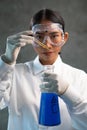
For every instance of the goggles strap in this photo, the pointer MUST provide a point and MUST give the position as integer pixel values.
(47, 27)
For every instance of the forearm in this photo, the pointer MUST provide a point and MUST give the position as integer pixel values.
(5, 67)
(6, 72)
(77, 107)
(6, 60)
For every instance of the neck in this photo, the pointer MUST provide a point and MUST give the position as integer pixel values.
(48, 62)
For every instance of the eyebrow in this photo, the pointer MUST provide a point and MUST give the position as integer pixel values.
(45, 32)
(54, 32)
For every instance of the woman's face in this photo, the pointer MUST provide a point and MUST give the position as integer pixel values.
(48, 56)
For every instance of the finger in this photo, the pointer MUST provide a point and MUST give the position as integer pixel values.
(26, 41)
(49, 88)
(21, 39)
(50, 74)
(45, 87)
(20, 42)
(18, 35)
(27, 32)
(26, 37)
(45, 75)
(49, 79)
(53, 76)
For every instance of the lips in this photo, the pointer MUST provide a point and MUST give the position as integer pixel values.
(48, 52)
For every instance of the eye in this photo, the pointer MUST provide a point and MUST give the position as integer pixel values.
(54, 36)
(39, 37)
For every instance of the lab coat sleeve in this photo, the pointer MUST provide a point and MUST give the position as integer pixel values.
(77, 107)
(5, 83)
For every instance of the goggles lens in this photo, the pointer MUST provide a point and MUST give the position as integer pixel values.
(50, 32)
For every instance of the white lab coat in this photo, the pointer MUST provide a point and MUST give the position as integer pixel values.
(19, 90)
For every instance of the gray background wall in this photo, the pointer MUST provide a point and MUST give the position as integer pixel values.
(15, 16)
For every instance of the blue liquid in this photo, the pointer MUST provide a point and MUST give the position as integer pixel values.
(49, 114)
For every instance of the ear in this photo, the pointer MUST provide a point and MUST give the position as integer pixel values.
(66, 35)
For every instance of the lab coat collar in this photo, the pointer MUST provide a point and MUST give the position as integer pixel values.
(38, 67)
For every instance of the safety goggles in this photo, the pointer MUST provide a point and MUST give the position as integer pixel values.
(48, 32)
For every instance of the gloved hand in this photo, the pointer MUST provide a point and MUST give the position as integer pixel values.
(14, 44)
(53, 83)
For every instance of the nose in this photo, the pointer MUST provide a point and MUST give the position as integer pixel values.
(47, 41)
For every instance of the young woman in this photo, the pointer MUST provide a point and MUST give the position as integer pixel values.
(20, 87)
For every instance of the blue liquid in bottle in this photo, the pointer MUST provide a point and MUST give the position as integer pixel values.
(49, 114)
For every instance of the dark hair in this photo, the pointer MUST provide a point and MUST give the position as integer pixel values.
(47, 14)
